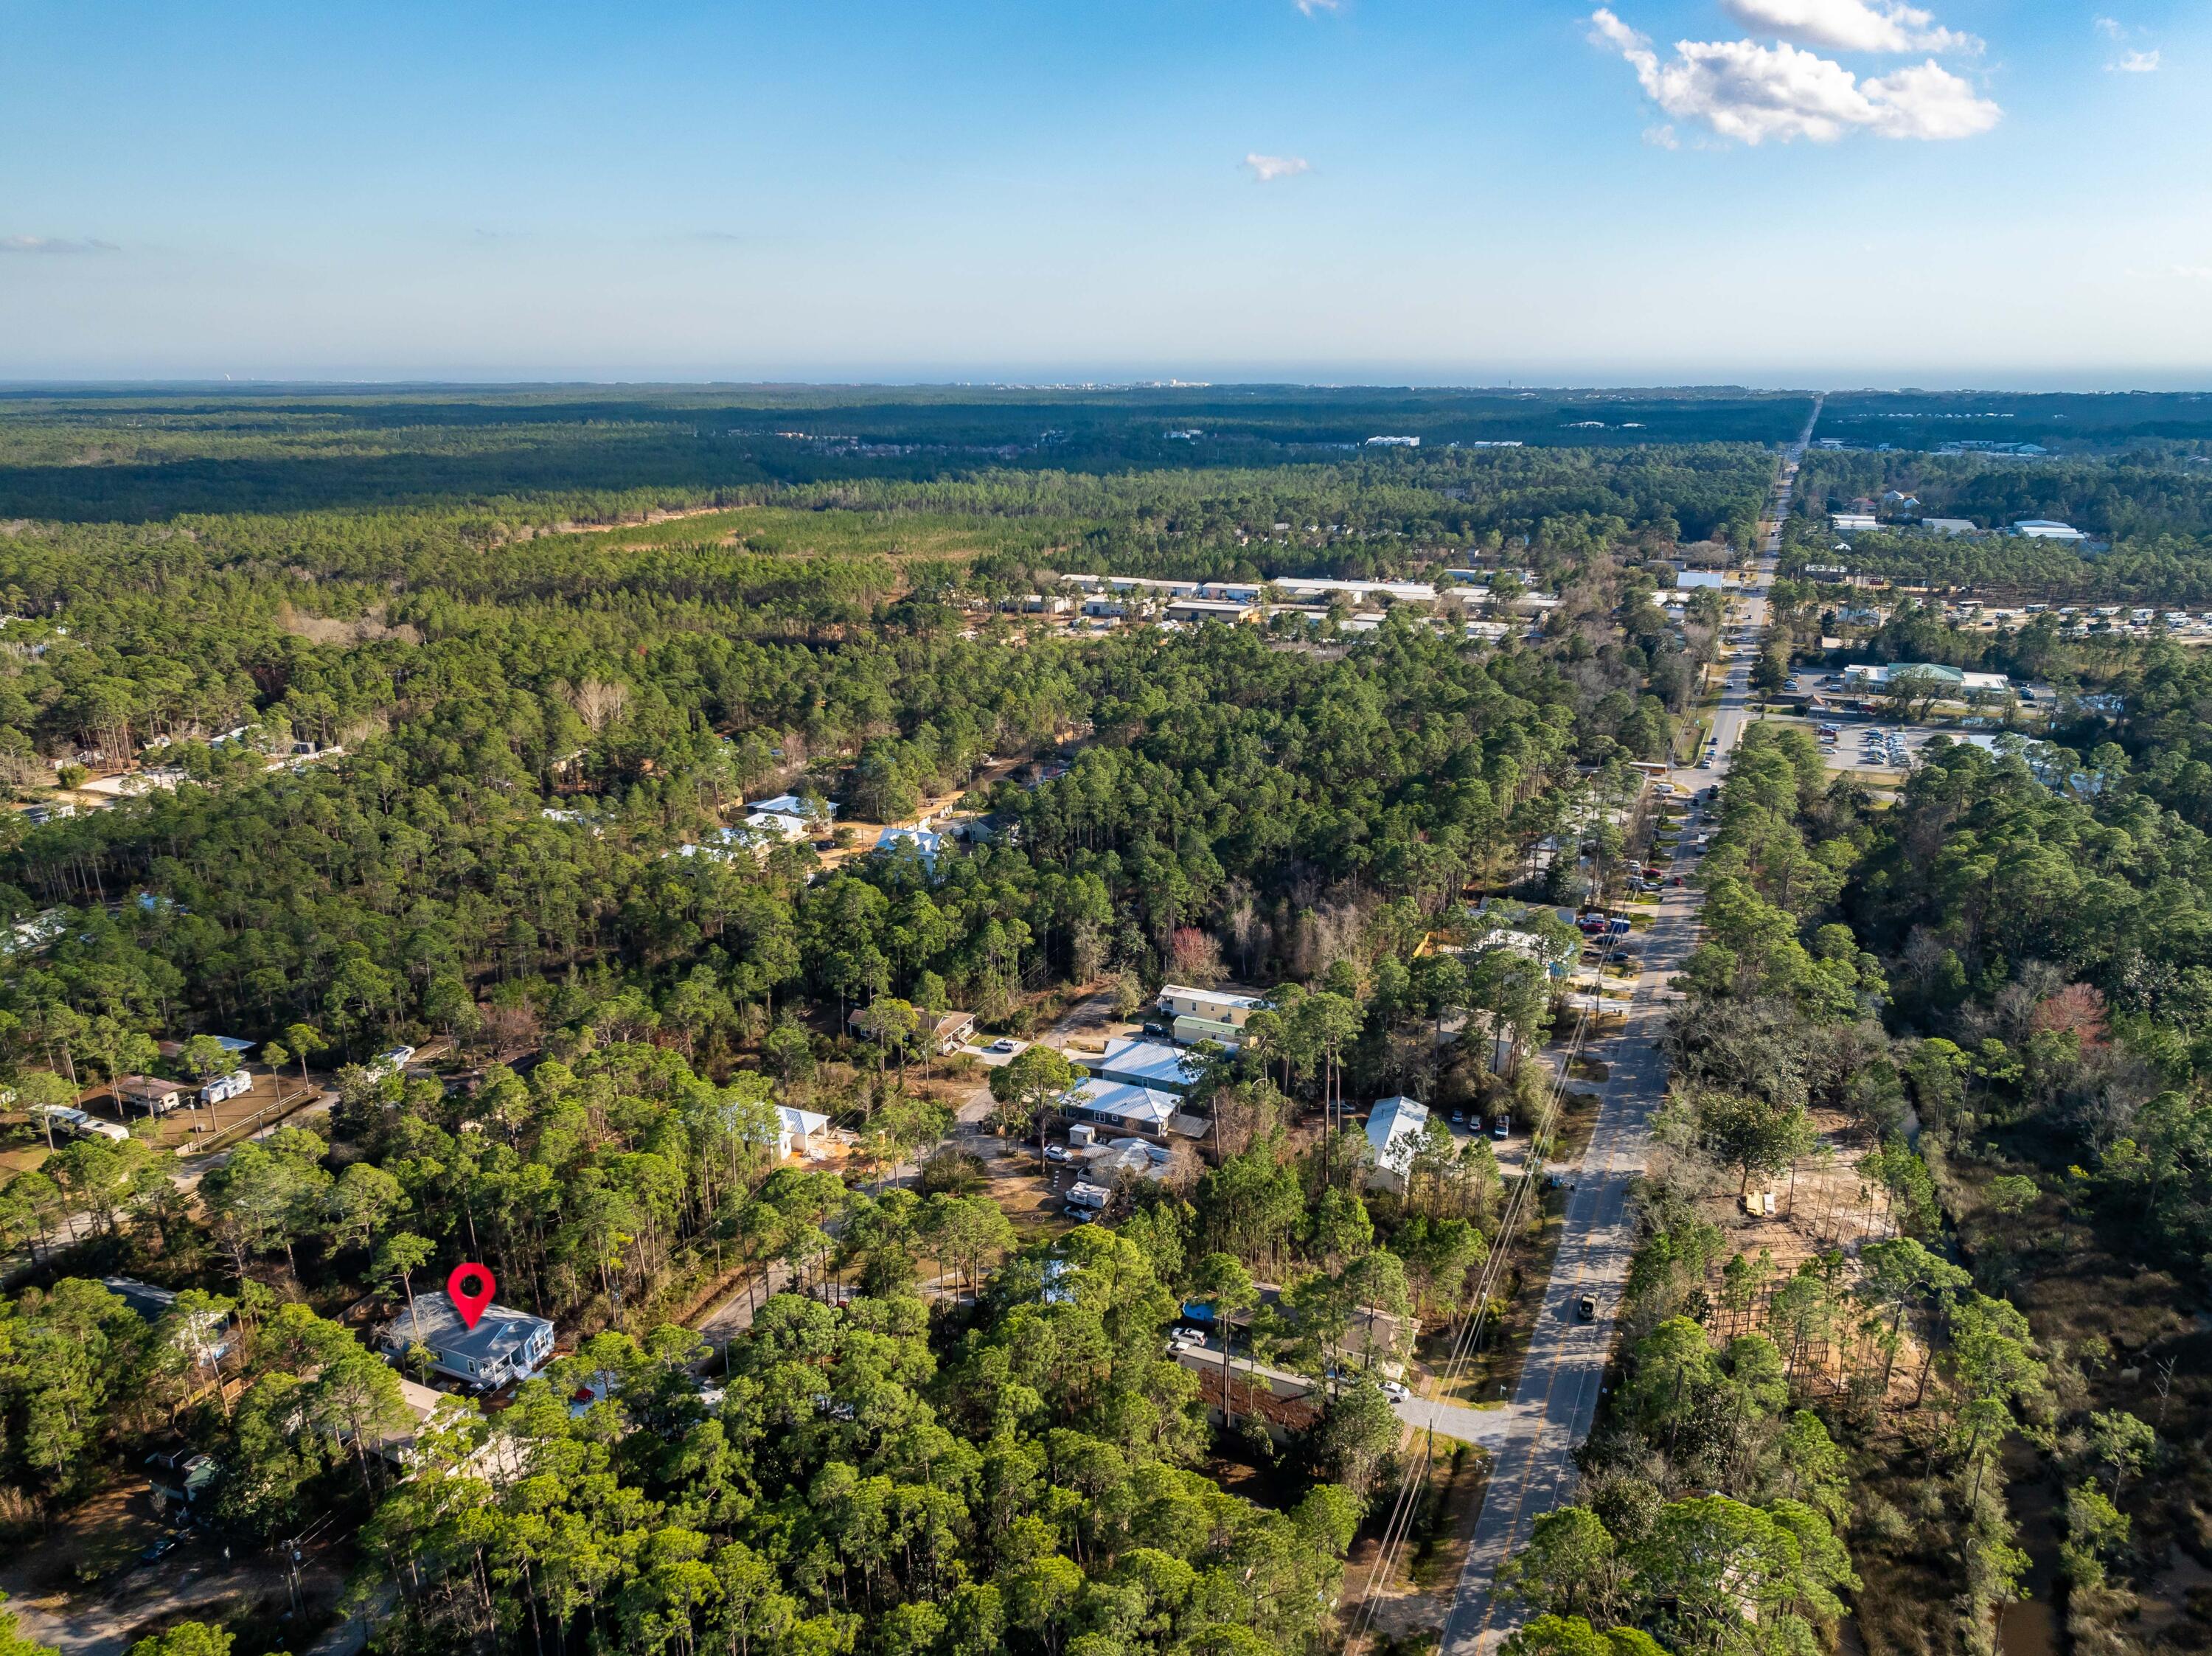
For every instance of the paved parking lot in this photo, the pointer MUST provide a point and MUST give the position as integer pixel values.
(1882, 746)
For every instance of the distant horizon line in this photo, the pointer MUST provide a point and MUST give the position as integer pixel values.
(2055, 384)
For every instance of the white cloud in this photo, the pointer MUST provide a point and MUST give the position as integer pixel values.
(2111, 27)
(1309, 7)
(1661, 137)
(1849, 25)
(1752, 92)
(59, 247)
(1268, 168)
(2137, 63)
(1926, 101)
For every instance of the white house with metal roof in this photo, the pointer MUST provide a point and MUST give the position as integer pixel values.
(795, 804)
(926, 844)
(1395, 1128)
(796, 1131)
(777, 825)
(505, 1345)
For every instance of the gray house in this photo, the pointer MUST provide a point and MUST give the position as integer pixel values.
(209, 1331)
(506, 1346)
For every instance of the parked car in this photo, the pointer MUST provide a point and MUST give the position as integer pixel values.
(1001, 1046)
(1396, 1391)
(1055, 1152)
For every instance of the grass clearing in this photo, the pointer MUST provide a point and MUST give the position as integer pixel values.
(1577, 1122)
(1491, 1372)
(1410, 1607)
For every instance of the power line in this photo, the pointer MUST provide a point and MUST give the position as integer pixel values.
(1476, 1317)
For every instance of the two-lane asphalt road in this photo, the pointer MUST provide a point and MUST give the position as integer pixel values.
(1556, 1405)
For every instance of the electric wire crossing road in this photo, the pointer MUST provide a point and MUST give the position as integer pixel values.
(1556, 1405)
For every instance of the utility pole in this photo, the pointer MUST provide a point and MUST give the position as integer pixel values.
(293, 1550)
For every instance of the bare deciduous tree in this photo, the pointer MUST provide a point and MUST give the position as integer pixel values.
(599, 704)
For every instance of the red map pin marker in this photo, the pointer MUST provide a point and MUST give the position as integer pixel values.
(470, 1287)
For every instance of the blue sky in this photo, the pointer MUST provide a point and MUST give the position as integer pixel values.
(1376, 190)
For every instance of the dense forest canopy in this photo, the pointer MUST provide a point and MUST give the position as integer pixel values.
(456, 699)
(2124, 498)
(2150, 516)
(2061, 421)
(155, 455)
(455, 715)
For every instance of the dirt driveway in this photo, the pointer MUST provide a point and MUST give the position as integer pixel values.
(127, 1600)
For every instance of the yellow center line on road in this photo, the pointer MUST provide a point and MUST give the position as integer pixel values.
(1598, 1327)
(1648, 1073)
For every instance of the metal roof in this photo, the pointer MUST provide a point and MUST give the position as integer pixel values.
(500, 1333)
(1391, 1127)
(1145, 1064)
(148, 1301)
(1139, 1105)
